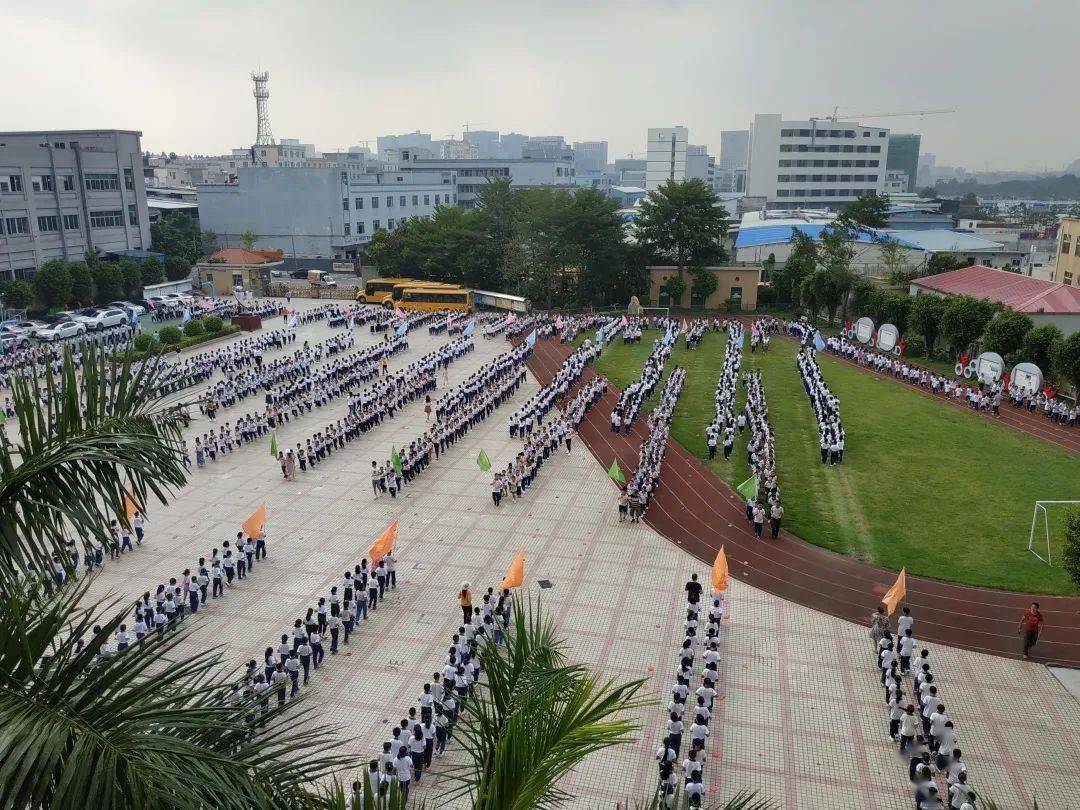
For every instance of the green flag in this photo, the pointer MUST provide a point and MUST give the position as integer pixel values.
(273, 443)
(748, 488)
(395, 460)
(615, 474)
(483, 462)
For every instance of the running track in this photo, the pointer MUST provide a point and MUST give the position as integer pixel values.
(695, 509)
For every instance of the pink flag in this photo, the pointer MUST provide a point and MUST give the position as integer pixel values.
(682, 329)
(398, 312)
(623, 320)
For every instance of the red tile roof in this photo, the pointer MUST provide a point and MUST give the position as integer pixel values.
(244, 256)
(1018, 292)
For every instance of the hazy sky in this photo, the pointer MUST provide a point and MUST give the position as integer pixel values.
(345, 72)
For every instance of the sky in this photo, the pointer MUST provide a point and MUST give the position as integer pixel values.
(346, 72)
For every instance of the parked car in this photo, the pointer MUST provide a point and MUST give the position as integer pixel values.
(129, 308)
(60, 329)
(99, 318)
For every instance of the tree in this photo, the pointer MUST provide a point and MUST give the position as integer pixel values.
(1005, 333)
(80, 735)
(871, 210)
(927, 311)
(82, 283)
(15, 293)
(108, 282)
(944, 262)
(1040, 347)
(1067, 360)
(964, 320)
(248, 239)
(176, 268)
(683, 223)
(151, 272)
(52, 284)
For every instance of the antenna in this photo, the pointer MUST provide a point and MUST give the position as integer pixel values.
(263, 137)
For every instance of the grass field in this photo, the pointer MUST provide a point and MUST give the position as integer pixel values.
(945, 493)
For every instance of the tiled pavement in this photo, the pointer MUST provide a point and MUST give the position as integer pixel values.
(800, 717)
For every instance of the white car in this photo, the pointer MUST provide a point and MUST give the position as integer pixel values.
(60, 330)
(102, 318)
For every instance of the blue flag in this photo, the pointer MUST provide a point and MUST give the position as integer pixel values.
(403, 327)
(819, 344)
(530, 341)
(470, 327)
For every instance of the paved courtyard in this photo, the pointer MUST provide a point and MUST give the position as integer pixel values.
(800, 714)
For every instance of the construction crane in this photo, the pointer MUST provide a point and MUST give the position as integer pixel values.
(855, 116)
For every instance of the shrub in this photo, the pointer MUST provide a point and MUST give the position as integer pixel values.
(194, 328)
(1071, 551)
(170, 336)
(144, 343)
(213, 323)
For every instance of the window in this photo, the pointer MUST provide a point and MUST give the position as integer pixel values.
(415, 199)
(133, 216)
(17, 226)
(71, 222)
(12, 183)
(106, 219)
(348, 230)
(375, 203)
(401, 201)
(101, 182)
(67, 182)
(427, 199)
(389, 201)
(48, 224)
(359, 201)
(345, 203)
(42, 182)
(129, 180)
(359, 228)
(375, 225)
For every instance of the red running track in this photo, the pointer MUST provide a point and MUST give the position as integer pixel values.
(695, 509)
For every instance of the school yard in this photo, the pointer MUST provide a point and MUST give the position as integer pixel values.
(945, 493)
(800, 714)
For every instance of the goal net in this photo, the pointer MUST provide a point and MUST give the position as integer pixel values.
(1047, 528)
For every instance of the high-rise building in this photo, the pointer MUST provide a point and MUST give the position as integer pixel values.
(64, 193)
(665, 155)
(590, 156)
(904, 156)
(816, 163)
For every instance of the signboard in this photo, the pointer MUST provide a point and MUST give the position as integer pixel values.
(887, 337)
(864, 330)
(1027, 376)
(989, 367)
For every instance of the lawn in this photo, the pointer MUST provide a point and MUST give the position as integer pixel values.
(929, 487)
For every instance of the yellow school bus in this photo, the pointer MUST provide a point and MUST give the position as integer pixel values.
(431, 299)
(380, 291)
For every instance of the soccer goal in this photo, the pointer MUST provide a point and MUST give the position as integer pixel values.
(1041, 514)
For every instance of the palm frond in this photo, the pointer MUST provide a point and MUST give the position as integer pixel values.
(144, 728)
(86, 440)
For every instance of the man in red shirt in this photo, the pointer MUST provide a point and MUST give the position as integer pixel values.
(1030, 625)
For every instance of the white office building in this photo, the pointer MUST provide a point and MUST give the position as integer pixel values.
(314, 212)
(63, 193)
(818, 163)
(665, 157)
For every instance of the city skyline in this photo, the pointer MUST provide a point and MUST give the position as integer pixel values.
(191, 91)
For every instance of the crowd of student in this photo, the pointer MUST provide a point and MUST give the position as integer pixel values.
(722, 427)
(632, 397)
(826, 407)
(635, 499)
(917, 716)
(370, 407)
(702, 634)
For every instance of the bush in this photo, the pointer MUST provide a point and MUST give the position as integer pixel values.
(194, 328)
(213, 323)
(170, 336)
(1071, 551)
(916, 346)
(144, 343)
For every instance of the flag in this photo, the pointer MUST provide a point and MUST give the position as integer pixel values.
(186, 316)
(273, 443)
(623, 321)
(515, 575)
(819, 344)
(403, 328)
(530, 340)
(720, 571)
(748, 488)
(683, 328)
(383, 544)
(615, 474)
(398, 312)
(253, 526)
(895, 595)
(483, 462)
(395, 460)
(470, 327)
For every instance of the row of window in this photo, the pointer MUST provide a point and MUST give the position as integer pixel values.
(830, 164)
(820, 192)
(825, 133)
(50, 223)
(358, 202)
(834, 147)
(826, 178)
(95, 181)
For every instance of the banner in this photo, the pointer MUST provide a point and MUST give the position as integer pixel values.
(720, 571)
(253, 526)
(383, 545)
(515, 575)
(896, 593)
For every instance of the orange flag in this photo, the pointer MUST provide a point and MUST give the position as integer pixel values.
(253, 526)
(384, 544)
(720, 571)
(515, 575)
(130, 509)
(895, 595)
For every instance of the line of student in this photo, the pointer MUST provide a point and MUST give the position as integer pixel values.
(701, 633)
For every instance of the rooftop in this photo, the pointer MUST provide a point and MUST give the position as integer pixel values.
(1019, 293)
